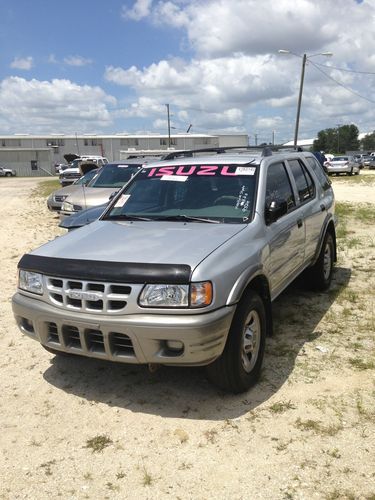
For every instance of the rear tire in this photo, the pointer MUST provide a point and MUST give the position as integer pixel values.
(239, 366)
(320, 274)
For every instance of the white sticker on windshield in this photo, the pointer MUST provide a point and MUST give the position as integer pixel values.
(122, 200)
(178, 178)
(245, 170)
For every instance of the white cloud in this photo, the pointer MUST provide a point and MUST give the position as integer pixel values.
(42, 106)
(24, 63)
(77, 61)
(140, 9)
(236, 65)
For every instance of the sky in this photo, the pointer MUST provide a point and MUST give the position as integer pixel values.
(108, 67)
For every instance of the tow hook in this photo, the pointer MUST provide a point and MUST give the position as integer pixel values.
(153, 367)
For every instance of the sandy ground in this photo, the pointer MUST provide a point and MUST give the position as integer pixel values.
(75, 428)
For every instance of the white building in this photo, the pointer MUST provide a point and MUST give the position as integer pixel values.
(37, 154)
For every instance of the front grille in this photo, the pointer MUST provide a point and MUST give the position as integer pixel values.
(52, 333)
(59, 199)
(121, 344)
(88, 296)
(90, 340)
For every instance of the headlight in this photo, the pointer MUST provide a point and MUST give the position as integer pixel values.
(195, 295)
(31, 282)
(67, 207)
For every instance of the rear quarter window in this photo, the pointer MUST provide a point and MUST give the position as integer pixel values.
(319, 172)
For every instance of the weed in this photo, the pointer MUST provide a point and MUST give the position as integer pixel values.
(147, 478)
(317, 427)
(281, 406)
(87, 476)
(47, 467)
(334, 453)
(112, 487)
(362, 365)
(98, 443)
(120, 475)
(211, 435)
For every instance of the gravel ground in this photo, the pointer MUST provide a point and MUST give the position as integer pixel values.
(76, 428)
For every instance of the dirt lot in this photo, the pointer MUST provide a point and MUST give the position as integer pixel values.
(75, 428)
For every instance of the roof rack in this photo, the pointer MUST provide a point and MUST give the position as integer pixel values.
(265, 150)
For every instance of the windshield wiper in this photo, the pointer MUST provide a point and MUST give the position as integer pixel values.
(126, 217)
(187, 218)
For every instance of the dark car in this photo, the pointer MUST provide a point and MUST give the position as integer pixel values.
(82, 218)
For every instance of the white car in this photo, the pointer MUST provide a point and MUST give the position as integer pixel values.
(342, 165)
(7, 172)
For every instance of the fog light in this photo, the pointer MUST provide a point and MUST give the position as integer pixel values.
(175, 345)
(26, 325)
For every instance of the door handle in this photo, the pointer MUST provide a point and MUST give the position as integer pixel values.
(299, 223)
(322, 207)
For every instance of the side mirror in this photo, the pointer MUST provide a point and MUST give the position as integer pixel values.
(275, 210)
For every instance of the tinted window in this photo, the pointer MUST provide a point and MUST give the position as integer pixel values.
(304, 182)
(278, 186)
(319, 172)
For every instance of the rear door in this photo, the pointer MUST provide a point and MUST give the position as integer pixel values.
(312, 210)
(286, 236)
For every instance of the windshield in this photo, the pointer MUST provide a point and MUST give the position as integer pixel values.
(196, 193)
(85, 179)
(115, 175)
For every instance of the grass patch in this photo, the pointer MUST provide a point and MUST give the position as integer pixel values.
(281, 406)
(45, 188)
(362, 365)
(317, 427)
(98, 443)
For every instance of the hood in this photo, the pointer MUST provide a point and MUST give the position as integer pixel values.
(141, 242)
(88, 197)
(69, 157)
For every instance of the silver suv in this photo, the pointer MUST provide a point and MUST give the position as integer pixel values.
(183, 265)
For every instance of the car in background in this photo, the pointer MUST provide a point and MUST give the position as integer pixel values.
(342, 165)
(80, 166)
(371, 163)
(111, 178)
(56, 199)
(7, 172)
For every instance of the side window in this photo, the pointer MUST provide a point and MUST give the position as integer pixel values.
(304, 182)
(278, 186)
(319, 172)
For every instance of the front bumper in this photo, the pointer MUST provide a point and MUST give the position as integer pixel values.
(186, 340)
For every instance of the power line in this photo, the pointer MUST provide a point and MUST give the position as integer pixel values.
(341, 84)
(346, 70)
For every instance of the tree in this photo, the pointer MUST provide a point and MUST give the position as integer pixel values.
(368, 142)
(337, 140)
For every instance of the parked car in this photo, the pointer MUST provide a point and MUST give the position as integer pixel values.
(342, 165)
(7, 172)
(79, 166)
(111, 178)
(371, 163)
(56, 199)
(183, 266)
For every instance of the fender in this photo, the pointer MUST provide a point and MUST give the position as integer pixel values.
(328, 223)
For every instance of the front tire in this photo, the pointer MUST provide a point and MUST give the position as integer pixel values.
(239, 366)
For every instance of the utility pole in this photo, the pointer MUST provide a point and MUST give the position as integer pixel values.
(304, 58)
(169, 127)
(273, 137)
(256, 139)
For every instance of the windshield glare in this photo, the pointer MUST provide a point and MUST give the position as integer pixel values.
(115, 175)
(221, 193)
